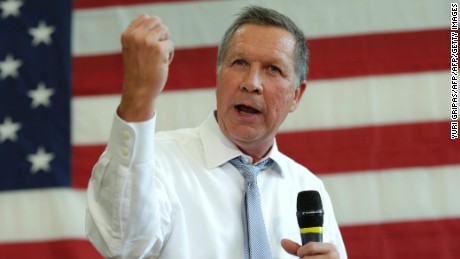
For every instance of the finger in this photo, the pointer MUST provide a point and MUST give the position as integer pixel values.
(317, 248)
(169, 47)
(161, 32)
(290, 246)
(323, 248)
(149, 22)
(171, 56)
(151, 29)
(168, 50)
(142, 24)
(137, 28)
(138, 20)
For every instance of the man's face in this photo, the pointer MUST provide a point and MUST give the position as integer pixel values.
(256, 86)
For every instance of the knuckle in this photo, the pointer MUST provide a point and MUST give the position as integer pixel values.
(125, 38)
(152, 22)
(137, 37)
(155, 18)
(125, 35)
(162, 26)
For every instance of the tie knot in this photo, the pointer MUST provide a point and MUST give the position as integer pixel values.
(249, 171)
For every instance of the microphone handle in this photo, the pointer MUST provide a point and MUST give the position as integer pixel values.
(312, 234)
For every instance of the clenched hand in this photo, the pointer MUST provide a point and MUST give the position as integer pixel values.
(147, 53)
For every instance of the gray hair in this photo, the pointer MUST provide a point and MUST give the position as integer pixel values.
(263, 16)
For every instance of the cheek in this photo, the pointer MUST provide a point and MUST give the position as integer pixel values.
(281, 103)
(226, 86)
(219, 99)
(283, 100)
(222, 94)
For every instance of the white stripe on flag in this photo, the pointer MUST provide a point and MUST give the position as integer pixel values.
(203, 23)
(326, 104)
(42, 214)
(395, 195)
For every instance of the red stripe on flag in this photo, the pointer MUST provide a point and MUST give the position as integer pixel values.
(340, 150)
(83, 4)
(337, 57)
(191, 68)
(379, 54)
(420, 239)
(83, 160)
(372, 148)
(69, 249)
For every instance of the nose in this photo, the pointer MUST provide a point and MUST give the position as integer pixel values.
(252, 81)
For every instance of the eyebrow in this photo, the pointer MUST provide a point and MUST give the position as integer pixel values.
(277, 61)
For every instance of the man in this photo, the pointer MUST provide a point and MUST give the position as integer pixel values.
(178, 194)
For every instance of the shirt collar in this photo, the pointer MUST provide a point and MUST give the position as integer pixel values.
(218, 150)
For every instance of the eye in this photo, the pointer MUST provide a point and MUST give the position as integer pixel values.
(239, 62)
(273, 68)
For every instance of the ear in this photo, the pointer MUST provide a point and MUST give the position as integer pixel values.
(298, 95)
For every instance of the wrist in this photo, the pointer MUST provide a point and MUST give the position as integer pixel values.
(135, 111)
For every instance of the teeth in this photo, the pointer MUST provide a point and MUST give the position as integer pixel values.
(246, 109)
(243, 112)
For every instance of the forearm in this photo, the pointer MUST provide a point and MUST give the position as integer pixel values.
(123, 202)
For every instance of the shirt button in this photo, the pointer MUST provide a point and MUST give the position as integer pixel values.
(125, 151)
(126, 135)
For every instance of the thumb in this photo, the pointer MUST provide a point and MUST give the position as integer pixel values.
(290, 246)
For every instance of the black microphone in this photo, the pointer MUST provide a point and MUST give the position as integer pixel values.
(310, 216)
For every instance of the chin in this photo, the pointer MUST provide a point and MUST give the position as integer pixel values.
(245, 136)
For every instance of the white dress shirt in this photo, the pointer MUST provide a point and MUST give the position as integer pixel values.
(175, 195)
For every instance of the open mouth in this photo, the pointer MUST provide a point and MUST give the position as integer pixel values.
(246, 109)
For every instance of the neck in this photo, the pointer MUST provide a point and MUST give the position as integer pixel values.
(255, 153)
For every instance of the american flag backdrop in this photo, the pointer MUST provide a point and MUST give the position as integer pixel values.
(374, 123)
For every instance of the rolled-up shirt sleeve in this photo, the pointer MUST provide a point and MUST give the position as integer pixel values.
(128, 212)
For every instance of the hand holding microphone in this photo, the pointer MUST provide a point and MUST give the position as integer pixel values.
(310, 219)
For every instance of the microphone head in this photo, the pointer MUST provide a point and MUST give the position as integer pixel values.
(309, 209)
(309, 201)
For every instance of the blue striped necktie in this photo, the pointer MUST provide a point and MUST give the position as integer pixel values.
(256, 242)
